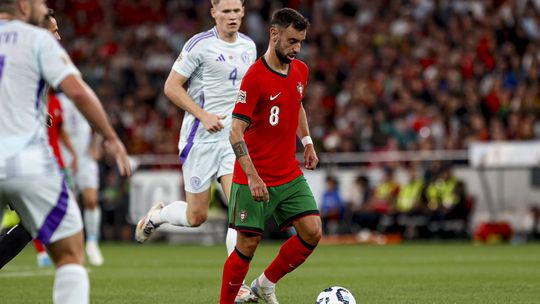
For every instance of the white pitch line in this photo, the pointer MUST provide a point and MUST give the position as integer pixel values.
(22, 274)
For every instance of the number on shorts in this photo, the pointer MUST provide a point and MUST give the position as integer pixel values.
(274, 115)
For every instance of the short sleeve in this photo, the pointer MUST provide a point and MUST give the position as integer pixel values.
(247, 98)
(54, 61)
(188, 60)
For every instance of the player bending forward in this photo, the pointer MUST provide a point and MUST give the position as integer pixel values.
(267, 180)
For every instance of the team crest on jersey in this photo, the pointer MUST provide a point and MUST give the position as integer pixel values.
(300, 88)
(245, 57)
(243, 215)
(195, 182)
(241, 98)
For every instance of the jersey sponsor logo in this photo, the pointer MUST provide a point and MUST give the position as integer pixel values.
(241, 98)
(274, 96)
(300, 88)
(243, 215)
(195, 182)
(245, 58)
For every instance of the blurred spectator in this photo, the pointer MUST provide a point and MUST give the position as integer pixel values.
(332, 207)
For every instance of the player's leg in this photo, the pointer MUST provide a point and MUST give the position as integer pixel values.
(199, 168)
(297, 207)
(248, 218)
(244, 294)
(71, 283)
(12, 243)
(49, 213)
(87, 180)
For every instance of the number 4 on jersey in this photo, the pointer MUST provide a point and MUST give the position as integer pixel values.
(232, 76)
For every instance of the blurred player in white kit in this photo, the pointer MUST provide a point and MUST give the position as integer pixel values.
(30, 178)
(86, 178)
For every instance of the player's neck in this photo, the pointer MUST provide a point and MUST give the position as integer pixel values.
(6, 17)
(275, 64)
(229, 38)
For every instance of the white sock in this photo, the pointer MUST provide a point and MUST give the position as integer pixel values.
(264, 281)
(71, 285)
(92, 221)
(174, 213)
(230, 240)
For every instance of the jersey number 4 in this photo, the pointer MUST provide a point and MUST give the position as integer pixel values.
(232, 76)
(2, 60)
(274, 116)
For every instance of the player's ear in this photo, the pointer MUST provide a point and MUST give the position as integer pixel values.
(274, 34)
(213, 12)
(23, 7)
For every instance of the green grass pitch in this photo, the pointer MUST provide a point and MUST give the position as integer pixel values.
(410, 273)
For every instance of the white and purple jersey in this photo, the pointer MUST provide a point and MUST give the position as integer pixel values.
(30, 57)
(215, 69)
(30, 178)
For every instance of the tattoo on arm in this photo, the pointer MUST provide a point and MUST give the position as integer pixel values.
(240, 149)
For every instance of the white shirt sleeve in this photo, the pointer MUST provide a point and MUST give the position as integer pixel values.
(187, 62)
(54, 61)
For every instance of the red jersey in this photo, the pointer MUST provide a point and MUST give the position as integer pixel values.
(270, 102)
(55, 111)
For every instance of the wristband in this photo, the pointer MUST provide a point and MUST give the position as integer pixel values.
(307, 141)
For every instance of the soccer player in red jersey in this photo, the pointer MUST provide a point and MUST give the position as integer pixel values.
(267, 180)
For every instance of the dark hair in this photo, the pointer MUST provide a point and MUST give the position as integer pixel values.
(286, 17)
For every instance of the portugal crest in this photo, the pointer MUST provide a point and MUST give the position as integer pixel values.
(300, 88)
(243, 215)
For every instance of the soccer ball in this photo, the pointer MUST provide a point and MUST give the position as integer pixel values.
(335, 295)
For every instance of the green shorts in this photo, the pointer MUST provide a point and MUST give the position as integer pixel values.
(287, 203)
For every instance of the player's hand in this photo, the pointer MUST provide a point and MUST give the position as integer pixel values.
(259, 192)
(310, 158)
(212, 123)
(116, 149)
(73, 165)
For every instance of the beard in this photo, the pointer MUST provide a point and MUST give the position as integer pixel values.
(282, 57)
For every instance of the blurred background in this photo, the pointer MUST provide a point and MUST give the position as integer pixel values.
(424, 113)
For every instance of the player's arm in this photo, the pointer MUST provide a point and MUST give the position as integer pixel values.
(310, 156)
(88, 103)
(64, 137)
(255, 183)
(174, 90)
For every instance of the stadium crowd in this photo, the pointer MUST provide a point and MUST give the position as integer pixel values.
(385, 75)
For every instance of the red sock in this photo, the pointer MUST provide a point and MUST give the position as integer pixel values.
(234, 272)
(291, 255)
(39, 246)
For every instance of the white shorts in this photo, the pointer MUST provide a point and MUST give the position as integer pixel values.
(87, 175)
(202, 162)
(40, 196)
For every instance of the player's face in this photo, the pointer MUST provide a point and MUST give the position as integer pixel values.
(52, 26)
(34, 11)
(288, 43)
(228, 15)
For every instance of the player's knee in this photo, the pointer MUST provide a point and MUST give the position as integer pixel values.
(248, 245)
(198, 218)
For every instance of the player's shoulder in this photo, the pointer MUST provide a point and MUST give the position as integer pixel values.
(29, 30)
(200, 40)
(245, 39)
(302, 66)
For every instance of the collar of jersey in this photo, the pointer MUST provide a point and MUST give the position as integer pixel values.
(274, 71)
